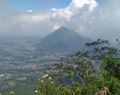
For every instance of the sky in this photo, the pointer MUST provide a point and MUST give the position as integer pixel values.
(36, 5)
(91, 18)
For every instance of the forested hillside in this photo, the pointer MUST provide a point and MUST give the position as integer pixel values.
(94, 72)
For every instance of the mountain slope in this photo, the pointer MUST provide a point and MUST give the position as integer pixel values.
(64, 40)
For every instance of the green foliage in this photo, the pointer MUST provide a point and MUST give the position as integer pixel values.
(93, 80)
(90, 79)
(111, 82)
(46, 87)
(112, 65)
(10, 93)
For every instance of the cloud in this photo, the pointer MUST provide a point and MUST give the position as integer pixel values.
(74, 7)
(40, 23)
(81, 3)
(32, 18)
(29, 11)
(106, 20)
(84, 16)
(66, 15)
(94, 20)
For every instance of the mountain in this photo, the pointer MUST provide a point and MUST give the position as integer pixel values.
(64, 40)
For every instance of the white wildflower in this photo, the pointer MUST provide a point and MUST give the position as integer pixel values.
(36, 91)
(42, 81)
(52, 82)
(12, 92)
(46, 75)
(49, 78)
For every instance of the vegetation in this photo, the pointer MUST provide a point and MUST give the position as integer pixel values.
(80, 77)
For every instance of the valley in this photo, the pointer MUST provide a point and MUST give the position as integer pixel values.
(21, 64)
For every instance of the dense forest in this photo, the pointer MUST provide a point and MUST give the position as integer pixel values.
(94, 72)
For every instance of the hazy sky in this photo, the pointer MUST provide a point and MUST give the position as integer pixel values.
(94, 19)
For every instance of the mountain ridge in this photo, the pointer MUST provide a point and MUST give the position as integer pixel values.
(64, 40)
